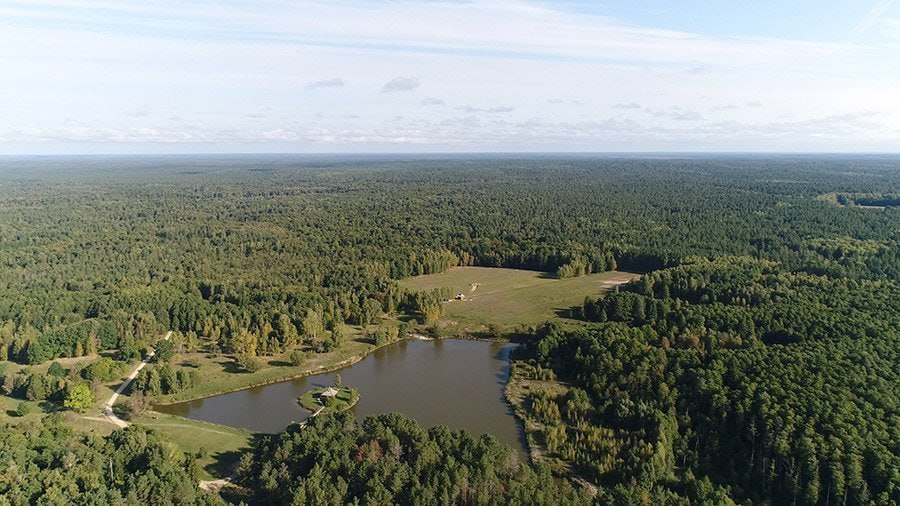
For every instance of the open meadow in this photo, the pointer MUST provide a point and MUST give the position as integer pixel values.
(510, 298)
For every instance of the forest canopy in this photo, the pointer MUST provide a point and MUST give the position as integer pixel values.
(754, 360)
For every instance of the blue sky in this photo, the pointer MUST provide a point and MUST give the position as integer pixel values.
(169, 76)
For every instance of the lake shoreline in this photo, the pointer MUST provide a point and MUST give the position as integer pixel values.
(383, 380)
(325, 368)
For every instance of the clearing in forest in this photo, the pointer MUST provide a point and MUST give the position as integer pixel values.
(510, 298)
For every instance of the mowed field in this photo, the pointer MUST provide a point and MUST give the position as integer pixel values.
(510, 298)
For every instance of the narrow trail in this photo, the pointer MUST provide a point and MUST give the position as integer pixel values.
(107, 409)
(110, 416)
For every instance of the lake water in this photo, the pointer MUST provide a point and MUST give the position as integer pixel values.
(450, 382)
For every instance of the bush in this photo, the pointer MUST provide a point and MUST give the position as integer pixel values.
(39, 387)
(102, 370)
(324, 346)
(56, 369)
(248, 363)
(136, 404)
(23, 409)
(192, 362)
(297, 357)
(130, 349)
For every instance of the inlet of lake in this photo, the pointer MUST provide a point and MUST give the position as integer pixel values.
(457, 383)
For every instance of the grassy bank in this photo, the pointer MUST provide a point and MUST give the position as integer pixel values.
(217, 373)
(218, 446)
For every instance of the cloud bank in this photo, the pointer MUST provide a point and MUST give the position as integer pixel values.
(497, 75)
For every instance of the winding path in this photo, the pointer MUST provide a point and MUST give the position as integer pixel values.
(209, 485)
(107, 409)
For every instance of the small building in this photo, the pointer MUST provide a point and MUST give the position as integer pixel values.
(329, 392)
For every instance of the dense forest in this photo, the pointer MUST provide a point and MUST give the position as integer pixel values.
(239, 250)
(390, 459)
(51, 464)
(756, 359)
(779, 385)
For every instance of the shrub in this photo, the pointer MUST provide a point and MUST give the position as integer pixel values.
(297, 357)
(23, 409)
(136, 404)
(102, 370)
(248, 363)
(193, 362)
(56, 369)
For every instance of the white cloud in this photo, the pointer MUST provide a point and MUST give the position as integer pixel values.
(675, 113)
(216, 67)
(334, 82)
(497, 109)
(400, 84)
(138, 113)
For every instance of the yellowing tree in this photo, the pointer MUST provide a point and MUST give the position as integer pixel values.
(79, 398)
(313, 326)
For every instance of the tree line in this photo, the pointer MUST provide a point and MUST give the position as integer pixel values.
(779, 386)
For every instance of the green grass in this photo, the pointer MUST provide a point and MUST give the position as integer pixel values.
(220, 445)
(8, 414)
(346, 398)
(89, 422)
(217, 373)
(510, 298)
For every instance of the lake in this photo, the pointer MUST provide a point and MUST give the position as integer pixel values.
(458, 383)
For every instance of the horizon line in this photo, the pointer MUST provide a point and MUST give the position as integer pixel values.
(447, 153)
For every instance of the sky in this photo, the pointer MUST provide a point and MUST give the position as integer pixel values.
(397, 76)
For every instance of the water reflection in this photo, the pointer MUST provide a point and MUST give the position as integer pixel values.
(451, 382)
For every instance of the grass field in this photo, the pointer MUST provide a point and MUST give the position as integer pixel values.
(219, 445)
(510, 298)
